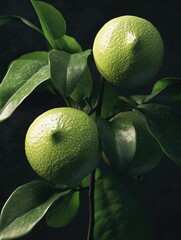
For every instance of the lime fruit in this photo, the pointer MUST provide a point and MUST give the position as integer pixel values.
(128, 51)
(148, 152)
(62, 145)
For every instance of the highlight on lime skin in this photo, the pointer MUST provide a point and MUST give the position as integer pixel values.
(128, 51)
(62, 145)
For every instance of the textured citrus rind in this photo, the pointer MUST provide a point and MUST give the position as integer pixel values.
(62, 145)
(128, 51)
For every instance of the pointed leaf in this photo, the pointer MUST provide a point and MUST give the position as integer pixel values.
(166, 91)
(66, 69)
(7, 18)
(164, 83)
(148, 152)
(25, 208)
(52, 22)
(118, 143)
(40, 56)
(118, 213)
(83, 88)
(63, 211)
(69, 44)
(165, 127)
(122, 104)
(138, 99)
(94, 96)
(23, 76)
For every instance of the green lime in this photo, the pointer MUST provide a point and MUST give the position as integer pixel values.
(128, 51)
(62, 145)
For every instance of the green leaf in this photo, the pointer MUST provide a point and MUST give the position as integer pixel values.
(7, 18)
(164, 83)
(166, 91)
(40, 56)
(69, 44)
(122, 104)
(128, 145)
(110, 98)
(138, 99)
(148, 152)
(26, 207)
(83, 89)
(23, 76)
(63, 211)
(96, 90)
(165, 127)
(66, 69)
(52, 22)
(118, 213)
(118, 142)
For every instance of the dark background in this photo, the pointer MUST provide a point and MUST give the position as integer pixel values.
(160, 190)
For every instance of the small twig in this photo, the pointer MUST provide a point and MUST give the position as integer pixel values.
(91, 206)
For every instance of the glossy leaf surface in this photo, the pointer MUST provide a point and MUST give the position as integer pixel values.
(52, 22)
(67, 69)
(8, 18)
(22, 77)
(118, 145)
(63, 211)
(25, 208)
(165, 91)
(165, 126)
(118, 213)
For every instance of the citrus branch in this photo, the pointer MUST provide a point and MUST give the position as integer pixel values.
(91, 206)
